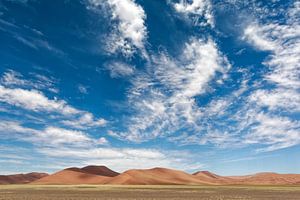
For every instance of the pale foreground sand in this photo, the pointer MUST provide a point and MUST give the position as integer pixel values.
(108, 192)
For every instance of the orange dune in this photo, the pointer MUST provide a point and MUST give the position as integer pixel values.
(100, 170)
(206, 174)
(267, 179)
(212, 178)
(156, 176)
(21, 178)
(72, 176)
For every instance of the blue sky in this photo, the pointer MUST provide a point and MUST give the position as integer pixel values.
(191, 85)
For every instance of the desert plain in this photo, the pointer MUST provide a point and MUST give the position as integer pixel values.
(147, 192)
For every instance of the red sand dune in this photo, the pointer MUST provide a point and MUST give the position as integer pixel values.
(267, 179)
(72, 176)
(207, 174)
(99, 170)
(256, 179)
(154, 176)
(212, 178)
(21, 178)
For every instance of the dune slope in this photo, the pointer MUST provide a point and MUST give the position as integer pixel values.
(267, 179)
(21, 178)
(72, 176)
(156, 176)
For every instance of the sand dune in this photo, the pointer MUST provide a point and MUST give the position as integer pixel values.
(154, 176)
(72, 176)
(207, 174)
(212, 178)
(100, 170)
(21, 178)
(255, 179)
(267, 179)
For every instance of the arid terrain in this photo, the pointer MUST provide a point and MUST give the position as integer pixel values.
(101, 175)
(100, 182)
(108, 192)
(21, 178)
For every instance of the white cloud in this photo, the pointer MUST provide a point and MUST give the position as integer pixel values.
(131, 31)
(119, 69)
(163, 99)
(13, 78)
(50, 136)
(102, 153)
(276, 128)
(274, 132)
(277, 99)
(218, 122)
(102, 141)
(282, 93)
(37, 43)
(85, 121)
(59, 136)
(202, 8)
(11, 126)
(36, 101)
(283, 42)
(255, 34)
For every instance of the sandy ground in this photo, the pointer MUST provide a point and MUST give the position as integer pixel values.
(92, 192)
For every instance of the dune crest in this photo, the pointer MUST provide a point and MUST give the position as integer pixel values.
(100, 170)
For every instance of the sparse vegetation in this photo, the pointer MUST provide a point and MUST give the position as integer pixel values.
(96, 192)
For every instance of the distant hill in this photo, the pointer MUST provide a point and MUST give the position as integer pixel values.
(156, 176)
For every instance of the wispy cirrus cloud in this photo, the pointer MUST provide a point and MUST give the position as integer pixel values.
(275, 132)
(277, 127)
(120, 69)
(29, 37)
(13, 78)
(163, 100)
(261, 114)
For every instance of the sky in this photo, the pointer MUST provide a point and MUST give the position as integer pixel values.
(184, 84)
